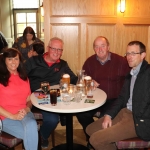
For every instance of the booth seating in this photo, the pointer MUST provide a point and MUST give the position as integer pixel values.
(133, 143)
(9, 142)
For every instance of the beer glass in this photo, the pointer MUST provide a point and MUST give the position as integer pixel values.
(66, 78)
(88, 86)
(53, 96)
(86, 79)
(45, 87)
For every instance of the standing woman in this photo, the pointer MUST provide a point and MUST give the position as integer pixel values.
(15, 104)
(25, 42)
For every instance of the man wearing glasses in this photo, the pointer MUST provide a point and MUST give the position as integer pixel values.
(48, 67)
(130, 115)
(108, 70)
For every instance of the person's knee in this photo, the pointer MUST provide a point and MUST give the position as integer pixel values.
(54, 120)
(95, 141)
(88, 130)
(51, 119)
(32, 123)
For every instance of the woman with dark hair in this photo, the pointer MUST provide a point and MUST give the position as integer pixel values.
(15, 104)
(25, 42)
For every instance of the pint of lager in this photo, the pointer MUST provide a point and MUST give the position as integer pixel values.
(87, 79)
(88, 86)
(66, 79)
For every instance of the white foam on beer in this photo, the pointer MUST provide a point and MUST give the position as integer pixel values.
(87, 78)
(66, 76)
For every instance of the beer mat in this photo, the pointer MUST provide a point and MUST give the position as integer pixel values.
(59, 99)
(89, 101)
(72, 100)
(42, 98)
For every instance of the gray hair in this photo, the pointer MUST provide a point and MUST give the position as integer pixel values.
(57, 39)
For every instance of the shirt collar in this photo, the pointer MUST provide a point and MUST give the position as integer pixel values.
(134, 72)
(108, 58)
(50, 63)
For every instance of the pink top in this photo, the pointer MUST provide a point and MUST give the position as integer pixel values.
(14, 96)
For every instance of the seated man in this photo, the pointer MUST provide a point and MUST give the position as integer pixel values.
(108, 70)
(129, 115)
(48, 67)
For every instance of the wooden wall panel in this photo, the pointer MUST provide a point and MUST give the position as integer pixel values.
(94, 30)
(83, 7)
(69, 33)
(136, 32)
(137, 8)
(79, 22)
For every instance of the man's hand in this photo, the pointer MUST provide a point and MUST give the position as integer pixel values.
(95, 84)
(107, 122)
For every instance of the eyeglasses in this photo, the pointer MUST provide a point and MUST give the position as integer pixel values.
(132, 53)
(56, 49)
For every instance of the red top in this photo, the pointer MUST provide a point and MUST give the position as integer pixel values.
(50, 63)
(13, 97)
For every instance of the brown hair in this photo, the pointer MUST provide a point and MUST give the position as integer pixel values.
(30, 31)
(140, 44)
(4, 73)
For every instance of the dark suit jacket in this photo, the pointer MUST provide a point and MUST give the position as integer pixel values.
(140, 101)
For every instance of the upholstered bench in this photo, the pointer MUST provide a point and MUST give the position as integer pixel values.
(8, 141)
(133, 143)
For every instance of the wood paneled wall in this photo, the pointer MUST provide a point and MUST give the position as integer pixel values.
(79, 22)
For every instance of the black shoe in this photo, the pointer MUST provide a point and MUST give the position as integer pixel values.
(44, 143)
(62, 120)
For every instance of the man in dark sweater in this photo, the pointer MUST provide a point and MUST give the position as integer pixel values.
(108, 70)
(130, 114)
(48, 67)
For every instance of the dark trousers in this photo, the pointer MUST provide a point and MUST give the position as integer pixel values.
(86, 118)
(122, 128)
(50, 121)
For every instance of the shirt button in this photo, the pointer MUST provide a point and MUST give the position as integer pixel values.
(137, 125)
(142, 120)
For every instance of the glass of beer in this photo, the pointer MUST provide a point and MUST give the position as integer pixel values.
(45, 87)
(66, 79)
(53, 97)
(87, 79)
(88, 86)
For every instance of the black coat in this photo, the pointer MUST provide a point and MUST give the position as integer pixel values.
(3, 43)
(140, 101)
(38, 71)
